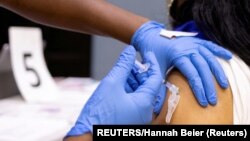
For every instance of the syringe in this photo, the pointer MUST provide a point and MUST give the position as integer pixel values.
(141, 67)
(174, 96)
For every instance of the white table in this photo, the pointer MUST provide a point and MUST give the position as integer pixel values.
(22, 121)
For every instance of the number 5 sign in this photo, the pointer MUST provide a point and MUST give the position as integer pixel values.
(31, 74)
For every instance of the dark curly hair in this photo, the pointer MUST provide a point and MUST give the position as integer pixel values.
(226, 22)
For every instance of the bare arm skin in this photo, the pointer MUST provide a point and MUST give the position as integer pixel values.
(188, 110)
(86, 16)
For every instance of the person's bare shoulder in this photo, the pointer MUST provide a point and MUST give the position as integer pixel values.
(189, 111)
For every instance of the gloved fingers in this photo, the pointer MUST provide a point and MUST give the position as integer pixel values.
(160, 99)
(189, 71)
(215, 67)
(152, 84)
(132, 81)
(206, 77)
(140, 77)
(217, 50)
(135, 78)
(123, 67)
(128, 88)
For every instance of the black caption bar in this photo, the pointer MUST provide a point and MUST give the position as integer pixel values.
(197, 132)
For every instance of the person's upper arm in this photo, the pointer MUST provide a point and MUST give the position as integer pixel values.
(189, 111)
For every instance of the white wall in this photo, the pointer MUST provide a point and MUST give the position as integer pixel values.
(105, 51)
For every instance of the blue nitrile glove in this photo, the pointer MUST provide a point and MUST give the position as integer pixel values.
(190, 55)
(111, 104)
(136, 79)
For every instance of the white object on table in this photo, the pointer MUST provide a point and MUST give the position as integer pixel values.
(31, 74)
(48, 110)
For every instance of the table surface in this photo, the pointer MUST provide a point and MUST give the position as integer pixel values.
(23, 121)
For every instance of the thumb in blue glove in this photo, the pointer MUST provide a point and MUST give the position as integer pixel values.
(111, 104)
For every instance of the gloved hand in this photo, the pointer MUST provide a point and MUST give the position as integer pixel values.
(136, 79)
(192, 56)
(111, 104)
